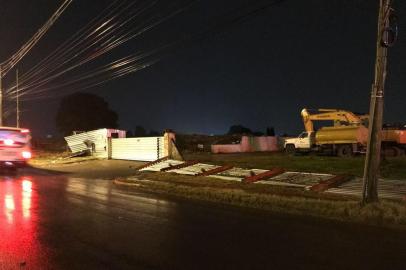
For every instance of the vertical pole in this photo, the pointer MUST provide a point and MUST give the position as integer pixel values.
(158, 148)
(18, 101)
(1, 97)
(373, 156)
(109, 148)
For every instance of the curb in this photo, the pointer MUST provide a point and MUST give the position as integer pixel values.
(124, 183)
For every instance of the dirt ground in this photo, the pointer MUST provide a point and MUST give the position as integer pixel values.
(89, 168)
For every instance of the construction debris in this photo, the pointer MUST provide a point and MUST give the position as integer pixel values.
(196, 169)
(93, 142)
(275, 176)
(157, 167)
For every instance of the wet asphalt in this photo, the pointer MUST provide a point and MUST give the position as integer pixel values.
(63, 222)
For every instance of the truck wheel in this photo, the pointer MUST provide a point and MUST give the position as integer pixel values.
(290, 149)
(390, 151)
(344, 151)
(398, 151)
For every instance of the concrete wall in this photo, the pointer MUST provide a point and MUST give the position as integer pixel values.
(248, 144)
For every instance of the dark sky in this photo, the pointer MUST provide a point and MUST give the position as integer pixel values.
(257, 72)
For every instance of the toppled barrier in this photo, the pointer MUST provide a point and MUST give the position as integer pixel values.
(275, 176)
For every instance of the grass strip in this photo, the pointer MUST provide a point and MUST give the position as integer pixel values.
(276, 199)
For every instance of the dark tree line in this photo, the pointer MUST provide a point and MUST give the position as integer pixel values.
(241, 130)
(140, 131)
(83, 112)
(86, 111)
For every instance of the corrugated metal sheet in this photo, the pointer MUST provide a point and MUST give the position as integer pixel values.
(194, 169)
(142, 149)
(97, 137)
(162, 165)
(387, 189)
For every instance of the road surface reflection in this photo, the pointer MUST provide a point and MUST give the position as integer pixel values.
(48, 222)
(19, 245)
(59, 222)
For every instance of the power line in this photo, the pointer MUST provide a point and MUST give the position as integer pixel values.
(106, 73)
(16, 57)
(77, 43)
(87, 53)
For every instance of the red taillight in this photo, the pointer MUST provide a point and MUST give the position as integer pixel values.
(8, 142)
(27, 154)
(25, 131)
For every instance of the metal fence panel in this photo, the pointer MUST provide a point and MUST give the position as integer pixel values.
(140, 149)
(98, 138)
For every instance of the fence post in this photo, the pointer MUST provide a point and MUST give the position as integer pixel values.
(170, 150)
(167, 144)
(158, 148)
(109, 148)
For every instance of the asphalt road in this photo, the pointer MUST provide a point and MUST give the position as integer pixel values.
(63, 222)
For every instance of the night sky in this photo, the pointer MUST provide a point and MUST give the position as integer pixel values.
(258, 71)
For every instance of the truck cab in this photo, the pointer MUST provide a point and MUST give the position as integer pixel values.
(303, 143)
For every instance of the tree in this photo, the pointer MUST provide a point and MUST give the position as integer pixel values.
(154, 133)
(238, 130)
(270, 131)
(129, 134)
(84, 112)
(258, 133)
(140, 131)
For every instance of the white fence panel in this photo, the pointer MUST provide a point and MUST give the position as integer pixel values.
(141, 149)
(97, 138)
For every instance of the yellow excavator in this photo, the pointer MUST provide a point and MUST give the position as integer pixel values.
(347, 136)
(339, 118)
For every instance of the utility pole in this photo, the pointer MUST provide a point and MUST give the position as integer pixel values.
(1, 96)
(373, 156)
(18, 102)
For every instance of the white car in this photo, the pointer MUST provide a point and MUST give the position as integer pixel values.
(15, 147)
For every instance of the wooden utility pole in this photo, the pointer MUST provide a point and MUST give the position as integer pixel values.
(18, 102)
(1, 97)
(373, 156)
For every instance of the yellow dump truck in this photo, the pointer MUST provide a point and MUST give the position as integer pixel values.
(347, 136)
(343, 141)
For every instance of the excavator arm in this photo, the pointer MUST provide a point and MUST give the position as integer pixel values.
(337, 116)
